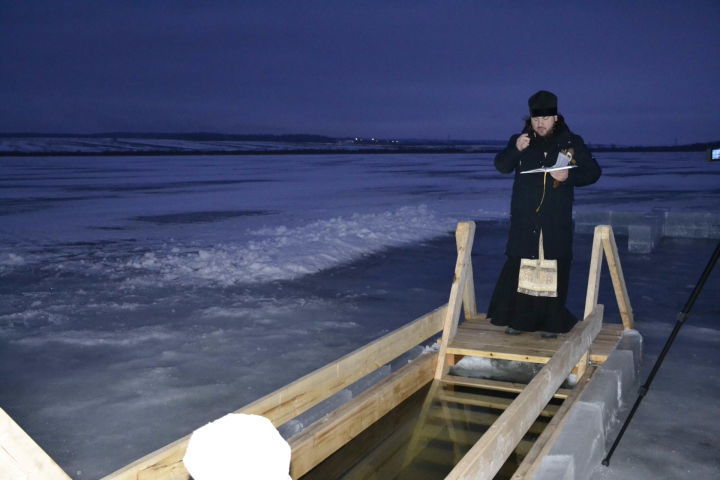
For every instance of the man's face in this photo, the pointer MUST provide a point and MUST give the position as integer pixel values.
(543, 125)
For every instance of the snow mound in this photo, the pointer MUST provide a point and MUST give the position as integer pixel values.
(238, 446)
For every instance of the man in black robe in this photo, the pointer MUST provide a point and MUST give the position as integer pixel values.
(541, 202)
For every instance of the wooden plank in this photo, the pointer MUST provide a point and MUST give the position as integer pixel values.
(488, 401)
(524, 340)
(469, 302)
(464, 235)
(591, 297)
(302, 394)
(535, 345)
(299, 396)
(596, 258)
(480, 338)
(495, 385)
(476, 418)
(483, 328)
(324, 437)
(21, 457)
(494, 353)
(500, 352)
(598, 358)
(487, 456)
(618, 280)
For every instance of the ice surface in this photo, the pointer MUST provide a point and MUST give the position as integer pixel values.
(138, 302)
(604, 392)
(556, 467)
(583, 437)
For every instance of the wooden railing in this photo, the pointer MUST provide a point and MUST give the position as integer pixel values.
(21, 457)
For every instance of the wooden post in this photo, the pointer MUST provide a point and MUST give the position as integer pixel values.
(621, 293)
(596, 260)
(488, 455)
(593, 288)
(464, 235)
(469, 302)
(21, 457)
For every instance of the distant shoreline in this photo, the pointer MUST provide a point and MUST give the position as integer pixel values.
(328, 151)
(178, 144)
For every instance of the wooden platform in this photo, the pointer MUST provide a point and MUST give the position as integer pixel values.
(477, 337)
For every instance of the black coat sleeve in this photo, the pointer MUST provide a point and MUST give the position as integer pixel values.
(507, 160)
(588, 171)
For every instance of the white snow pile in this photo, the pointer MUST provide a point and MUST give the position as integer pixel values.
(504, 370)
(238, 446)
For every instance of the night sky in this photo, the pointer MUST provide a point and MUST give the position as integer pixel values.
(625, 72)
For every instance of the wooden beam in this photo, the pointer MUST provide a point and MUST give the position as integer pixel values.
(464, 235)
(499, 352)
(478, 419)
(488, 455)
(487, 401)
(297, 397)
(469, 301)
(21, 457)
(596, 260)
(495, 385)
(320, 440)
(618, 280)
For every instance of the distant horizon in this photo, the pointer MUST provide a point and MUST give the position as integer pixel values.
(309, 137)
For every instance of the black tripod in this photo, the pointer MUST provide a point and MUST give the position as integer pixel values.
(682, 316)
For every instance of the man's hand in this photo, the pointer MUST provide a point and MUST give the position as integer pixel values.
(522, 142)
(560, 175)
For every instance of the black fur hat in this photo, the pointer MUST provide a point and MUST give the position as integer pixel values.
(543, 104)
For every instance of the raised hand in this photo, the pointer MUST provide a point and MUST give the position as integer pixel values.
(522, 142)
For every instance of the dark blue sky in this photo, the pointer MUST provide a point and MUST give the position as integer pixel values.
(625, 72)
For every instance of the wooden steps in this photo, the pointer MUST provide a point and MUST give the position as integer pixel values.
(494, 385)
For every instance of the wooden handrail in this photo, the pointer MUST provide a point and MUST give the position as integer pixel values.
(21, 457)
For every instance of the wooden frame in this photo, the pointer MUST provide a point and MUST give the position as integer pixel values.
(604, 242)
(21, 457)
